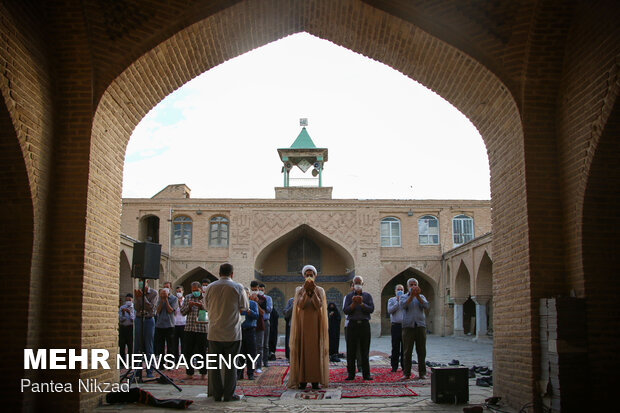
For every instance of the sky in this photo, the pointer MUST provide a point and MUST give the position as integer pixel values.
(388, 136)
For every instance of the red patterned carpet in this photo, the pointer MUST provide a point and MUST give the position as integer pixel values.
(272, 382)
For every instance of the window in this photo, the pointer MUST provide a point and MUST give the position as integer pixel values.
(428, 230)
(390, 232)
(182, 231)
(218, 232)
(462, 229)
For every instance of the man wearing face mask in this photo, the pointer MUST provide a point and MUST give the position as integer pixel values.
(358, 305)
(309, 343)
(267, 320)
(126, 317)
(414, 328)
(260, 325)
(195, 331)
(179, 324)
(396, 317)
(205, 283)
(164, 326)
(148, 329)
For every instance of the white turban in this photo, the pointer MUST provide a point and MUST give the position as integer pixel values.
(308, 267)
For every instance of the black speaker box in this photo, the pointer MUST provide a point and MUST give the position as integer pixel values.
(450, 384)
(145, 263)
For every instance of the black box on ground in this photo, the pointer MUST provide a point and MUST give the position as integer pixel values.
(450, 384)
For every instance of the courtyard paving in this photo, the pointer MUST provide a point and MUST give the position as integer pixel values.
(439, 350)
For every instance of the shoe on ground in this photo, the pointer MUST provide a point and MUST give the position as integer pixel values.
(405, 378)
(394, 369)
(454, 363)
(251, 378)
(368, 378)
(302, 386)
(350, 378)
(149, 375)
(259, 371)
(315, 386)
(421, 377)
(234, 398)
(472, 373)
(482, 382)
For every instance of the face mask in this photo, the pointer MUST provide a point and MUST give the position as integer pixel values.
(179, 295)
(399, 293)
(141, 284)
(204, 288)
(253, 292)
(129, 303)
(358, 287)
(261, 293)
(411, 288)
(167, 290)
(196, 294)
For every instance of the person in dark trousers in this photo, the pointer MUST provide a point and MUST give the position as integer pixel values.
(164, 326)
(288, 312)
(195, 331)
(414, 328)
(396, 317)
(358, 305)
(334, 318)
(179, 325)
(273, 333)
(225, 300)
(126, 316)
(248, 335)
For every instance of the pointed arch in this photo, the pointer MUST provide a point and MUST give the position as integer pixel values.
(462, 282)
(273, 259)
(126, 282)
(195, 274)
(484, 276)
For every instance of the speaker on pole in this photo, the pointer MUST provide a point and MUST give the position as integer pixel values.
(145, 262)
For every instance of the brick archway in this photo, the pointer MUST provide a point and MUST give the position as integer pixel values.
(601, 262)
(16, 278)
(461, 80)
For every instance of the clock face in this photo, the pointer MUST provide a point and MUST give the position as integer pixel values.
(304, 165)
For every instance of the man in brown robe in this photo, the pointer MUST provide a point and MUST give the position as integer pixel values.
(309, 341)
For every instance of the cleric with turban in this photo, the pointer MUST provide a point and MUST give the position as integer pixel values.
(309, 342)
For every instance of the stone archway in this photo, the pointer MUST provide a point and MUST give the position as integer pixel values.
(429, 290)
(195, 274)
(601, 262)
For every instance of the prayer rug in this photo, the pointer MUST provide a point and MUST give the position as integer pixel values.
(380, 375)
(378, 391)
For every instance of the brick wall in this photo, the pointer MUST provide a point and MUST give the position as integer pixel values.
(538, 80)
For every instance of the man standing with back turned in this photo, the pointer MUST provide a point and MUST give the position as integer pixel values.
(224, 300)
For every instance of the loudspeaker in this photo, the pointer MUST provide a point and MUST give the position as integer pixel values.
(450, 384)
(146, 256)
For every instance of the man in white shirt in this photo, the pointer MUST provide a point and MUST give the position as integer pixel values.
(224, 300)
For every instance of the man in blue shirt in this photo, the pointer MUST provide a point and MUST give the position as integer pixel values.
(414, 328)
(396, 317)
(164, 326)
(248, 335)
(358, 305)
(267, 317)
(126, 315)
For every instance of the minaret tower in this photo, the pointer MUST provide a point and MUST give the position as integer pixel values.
(304, 155)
